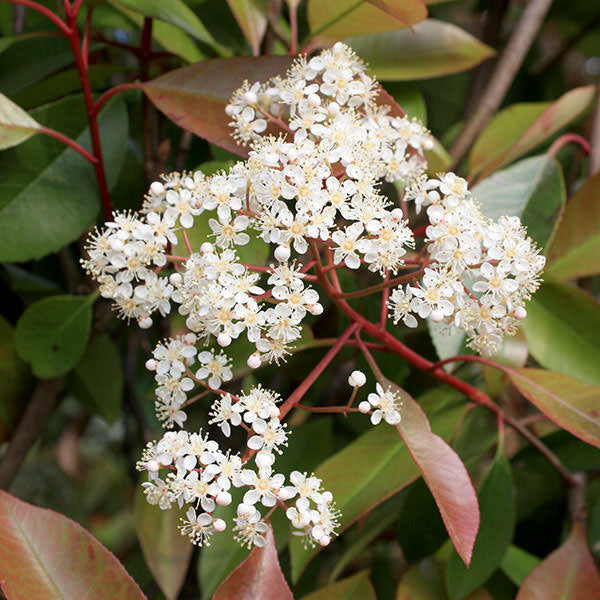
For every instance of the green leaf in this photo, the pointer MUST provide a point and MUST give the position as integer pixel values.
(568, 572)
(9, 40)
(517, 564)
(563, 329)
(15, 124)
(45, 556)
(166, 552)
(381, 466)
(497, 504)
(532, 189)
(421, 582)
(251, 16)
(52, 333)
(575, 249)
(448, 341)
(337, 19)
(176, 13)
(519, 128)
(30, 286)
(410, 98)
(210, 84)
(99, 378)
(567, 401)
(430, 49)
(357, 587)
(48, 192)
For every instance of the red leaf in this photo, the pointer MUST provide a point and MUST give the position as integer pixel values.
(568, 573)
(445, 474)
(258, 576)
(44, 555)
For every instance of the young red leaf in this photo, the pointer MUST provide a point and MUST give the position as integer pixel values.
(444, 472)
(567, 401)
(569, 572)
(45, 556)
(259, 576)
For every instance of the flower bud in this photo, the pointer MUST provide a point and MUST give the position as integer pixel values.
(357, 379)
(157, 188)
(244, 510)
(364, 407)
(152, 466)
(316, 308)
(219, 525)
(223, 498)
(324, 541)
(264, 459)
(397, 214)
(151, 364)
(145, 323)
(223, 339)
(520, 312)
(207, 248)
(176, 279)
(436, 315)
(254, 360)
(282, 252)
(250, 97)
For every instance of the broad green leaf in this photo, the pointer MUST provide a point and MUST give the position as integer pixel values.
(259, 576)
(98, 378)
(15, 380)
(15, 124)
(338, 19)
(166, 552)
(251, 16)
(519, 128)
(517, 564)
(30, 286)
(45, 556)
(48, 192)
(568, 573)
(563, 329)
(176, 13)
(497, 504)
(421, 582)
(381, 466)
(575, 249)
(52, 333)
(410, 98)
(210, 84)
(567, 401)
(357, 587)
(432, 48)
(9, 40)
(447, 340)
(532, 189)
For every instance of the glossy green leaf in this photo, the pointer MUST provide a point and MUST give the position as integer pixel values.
(15, 124)
(251, 16)
(519, 128)
(517, 564)
(447, 340)
(563, 329)
(45, 556)
(568, 573)
(532, 189)
(48, 192)
(210, 84)
(176, 13)
(98, 378)
(357, 587)
(410, 98)
(338, 19)
(497, 504)
(380, 464)
(258, 576)
(166, 552)
(52, 333)
(575, 249)
(432, 48)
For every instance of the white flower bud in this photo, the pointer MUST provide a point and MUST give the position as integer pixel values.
(373, 226)
(176, 279)
(223, 498)
(264, 459)
(333, 109)
(314, 100)
(324, 541)
(152, 466)
(397, 214)
(157, 188)
(250, 98)
(244, 510)
(357, 379)
(223, 339)
(254, 360)
(219, 525)
(285, 494)
(327, 497)
(520, 312)
(364, 407)
(145, 323)
(282, 252)
(436, 315)
(316, 308)
(151, 364)
(207, 248)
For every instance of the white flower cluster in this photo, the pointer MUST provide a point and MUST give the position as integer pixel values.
(480, 272)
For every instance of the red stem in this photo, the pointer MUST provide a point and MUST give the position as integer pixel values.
(69, 142)
(123, 87)
(293, 29)
(567, 138)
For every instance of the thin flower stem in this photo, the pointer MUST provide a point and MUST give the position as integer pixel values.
(293, 28)
(175, 258)
(187, 241)
(370, 359)
(46, 12)
(327, 409)
(106, 96)
(69, 142)
(385, 285)
(385, 294)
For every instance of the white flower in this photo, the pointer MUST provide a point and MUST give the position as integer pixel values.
(264, 485)
(215, 366)
(348, 245)
(197, 527)
(386, 406)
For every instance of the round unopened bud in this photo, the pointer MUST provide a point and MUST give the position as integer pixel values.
(357, 379)
(230, 110)
(151, 364)
(327, 497)
(157, 188)
(397, 214)
(189, 338)
(324, 541)
(520, 312)
(223, 339)
(250, 98)
(364, 407)
(436, 315)
(373, 226)
(254, 360)
(314, 100)
(145, 323)
(282, 252)
(219, 525)
(152, 466)
(176, 279)
(316, 308)
(223, 498)
(244, 510)
(207, 248)
(264, 459)
(333, 109)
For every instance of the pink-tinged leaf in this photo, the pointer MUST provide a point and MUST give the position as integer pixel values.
(518, 129)
(444, 472)
(45, 556)
(258, 576)
(569, 402)
(575, 248)
(569, 573)
(251, 16)
(357, 587)
(195, 97)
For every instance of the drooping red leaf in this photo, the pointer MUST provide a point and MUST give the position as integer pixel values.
(45, 556)
(569, 573)
(444, 472)
(259, 576)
